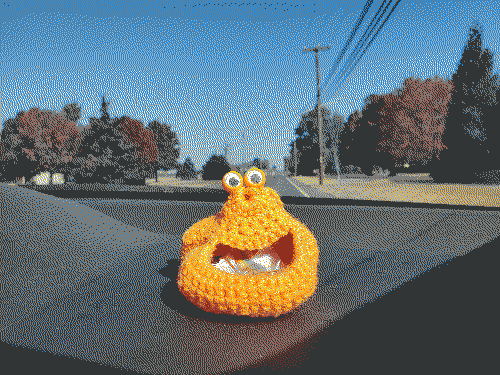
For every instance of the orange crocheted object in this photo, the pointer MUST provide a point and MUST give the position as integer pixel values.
(217, 273)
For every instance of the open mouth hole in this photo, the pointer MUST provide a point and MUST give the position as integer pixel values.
(275, 257)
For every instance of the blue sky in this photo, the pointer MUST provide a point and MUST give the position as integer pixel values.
(223, 73)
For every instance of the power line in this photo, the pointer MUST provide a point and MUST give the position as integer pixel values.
(358, 47)
(369, 44)
(365, 9)
(353, 32)
(363, 39)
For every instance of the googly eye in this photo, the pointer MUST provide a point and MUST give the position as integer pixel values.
(255, 177)
(232, 181)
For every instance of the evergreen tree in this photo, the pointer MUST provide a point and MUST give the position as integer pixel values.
(14, 162)
(144, 142)
(215, 168)
(361, 136)
(289, 166)
(472, 132)
(307, 146)
(255, 163)
(105, 156)
(261, 164)
(264, 165)
(105, 119)
(307, 143)
(186, 171)
(71, 112)
(113, 150)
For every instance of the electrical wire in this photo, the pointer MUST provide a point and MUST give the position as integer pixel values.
(353, 32)
(361, 43)
(363, 38)
(344, 49)
(369, 44)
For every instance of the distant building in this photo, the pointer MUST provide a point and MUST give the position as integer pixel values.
(170, 172)
(161, 174)
(44, 178)
(57, 178)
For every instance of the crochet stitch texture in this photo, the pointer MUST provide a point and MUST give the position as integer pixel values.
(252, 220)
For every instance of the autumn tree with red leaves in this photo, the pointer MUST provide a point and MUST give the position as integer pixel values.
(412, 120)
(53, 138)
(401, 127)
(42, 141)
(142, 137)
(144, 142)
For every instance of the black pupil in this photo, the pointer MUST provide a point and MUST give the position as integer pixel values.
(233, 181)
(255, 178)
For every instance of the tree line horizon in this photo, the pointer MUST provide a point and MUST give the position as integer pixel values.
(403, 130)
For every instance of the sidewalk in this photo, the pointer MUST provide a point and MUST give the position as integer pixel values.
(383, 189)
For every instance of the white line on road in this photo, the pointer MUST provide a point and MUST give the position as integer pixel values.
(297, 187)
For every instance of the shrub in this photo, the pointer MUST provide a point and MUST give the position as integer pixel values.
(379, 172)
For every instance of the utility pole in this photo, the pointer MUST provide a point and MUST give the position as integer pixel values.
(336, 154)
(295, 154)
(320, 115)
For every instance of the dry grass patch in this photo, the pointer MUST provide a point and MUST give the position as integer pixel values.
(177, 182)
(383, 189)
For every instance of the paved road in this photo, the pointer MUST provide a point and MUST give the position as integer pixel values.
(286, 187)
(96, 279)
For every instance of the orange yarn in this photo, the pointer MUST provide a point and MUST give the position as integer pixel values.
(253, 218)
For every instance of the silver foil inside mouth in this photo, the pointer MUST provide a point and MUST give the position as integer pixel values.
(272, 258)
(266, 260)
